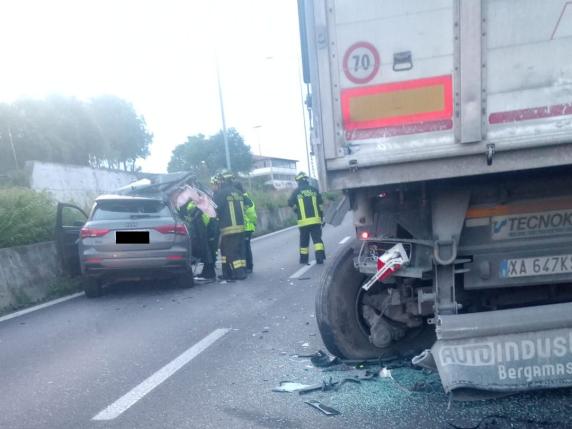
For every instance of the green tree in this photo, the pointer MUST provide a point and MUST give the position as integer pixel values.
(200, 153)
(105, 132)
(123, 132)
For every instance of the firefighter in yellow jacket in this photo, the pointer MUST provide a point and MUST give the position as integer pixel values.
(250, 219)
(230, 214)
(308, 205)
(204, 237)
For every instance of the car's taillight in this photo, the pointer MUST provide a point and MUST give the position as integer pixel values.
(92, 232)
(93, 260)
(180, 229)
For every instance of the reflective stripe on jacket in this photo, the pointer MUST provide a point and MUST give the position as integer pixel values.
(191, 207)
(307, 203)
(230, 209)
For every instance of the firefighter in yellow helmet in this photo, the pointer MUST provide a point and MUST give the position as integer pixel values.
(230, 213)
(308, 206)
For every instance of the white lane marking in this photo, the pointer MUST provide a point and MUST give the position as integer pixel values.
(139, 391)
(302, 270)
(345, 240)
(274, 233)
(39, 307)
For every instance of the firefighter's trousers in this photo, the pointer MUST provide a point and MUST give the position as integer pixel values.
(232, 254)
(248, 250)
(314, 231)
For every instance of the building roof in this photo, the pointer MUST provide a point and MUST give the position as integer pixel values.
(260, 158)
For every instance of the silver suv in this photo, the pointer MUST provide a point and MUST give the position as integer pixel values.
(124, 237)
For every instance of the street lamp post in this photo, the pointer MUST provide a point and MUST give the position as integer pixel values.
(224, 133)
(12, 145)
(257, 128)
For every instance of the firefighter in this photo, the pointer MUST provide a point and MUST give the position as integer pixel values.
(308, 205)
(230, 214)
(250, 219)
(201, 232)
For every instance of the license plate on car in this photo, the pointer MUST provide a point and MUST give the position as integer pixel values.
(537, 266)
(132, 237)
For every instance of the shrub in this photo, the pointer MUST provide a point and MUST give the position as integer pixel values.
(270, 199)
(26, 217)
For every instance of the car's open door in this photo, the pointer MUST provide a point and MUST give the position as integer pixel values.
(69, 221)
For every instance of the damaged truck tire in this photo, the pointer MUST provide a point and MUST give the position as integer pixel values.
(337, 314)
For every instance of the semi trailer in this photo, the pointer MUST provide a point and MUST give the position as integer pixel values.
(447, 124)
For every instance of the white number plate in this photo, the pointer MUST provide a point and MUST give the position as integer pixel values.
(539, 266)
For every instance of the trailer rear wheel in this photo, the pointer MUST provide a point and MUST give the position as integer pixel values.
(337, 314)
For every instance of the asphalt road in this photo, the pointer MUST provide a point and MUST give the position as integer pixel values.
(153, 356)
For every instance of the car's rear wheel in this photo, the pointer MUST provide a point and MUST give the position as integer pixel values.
(92, 287)
(185, 280)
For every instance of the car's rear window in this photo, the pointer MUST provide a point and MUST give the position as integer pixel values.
(122, 209)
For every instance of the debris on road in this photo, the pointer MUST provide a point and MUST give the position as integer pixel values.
(385, 373)
(290, 386)
(328, 411)
(324, 386)
(320, 359)
(305, 345)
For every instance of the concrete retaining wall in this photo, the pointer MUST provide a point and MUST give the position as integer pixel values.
(26, 273)
(76, 184)
(273, 219)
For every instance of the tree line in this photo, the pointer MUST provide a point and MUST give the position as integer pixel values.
(206, 155)
(104, 132)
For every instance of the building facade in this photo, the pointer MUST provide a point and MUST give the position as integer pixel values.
(279, 173)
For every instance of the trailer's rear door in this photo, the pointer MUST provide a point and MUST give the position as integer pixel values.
(529, 70)
(393, 75)
(418, 80)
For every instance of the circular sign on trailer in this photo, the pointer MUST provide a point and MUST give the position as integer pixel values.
(361, 62)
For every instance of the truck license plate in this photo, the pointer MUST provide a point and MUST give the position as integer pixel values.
(538, 266)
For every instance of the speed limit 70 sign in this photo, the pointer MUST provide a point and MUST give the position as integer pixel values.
(361, 62)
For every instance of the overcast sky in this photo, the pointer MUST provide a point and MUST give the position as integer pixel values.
(160, 55)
